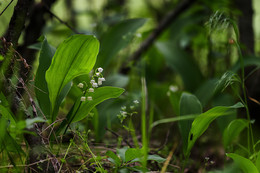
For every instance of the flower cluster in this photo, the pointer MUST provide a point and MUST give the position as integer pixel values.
(124, 113)
(172, 89)
(96, 80)
(97, 76)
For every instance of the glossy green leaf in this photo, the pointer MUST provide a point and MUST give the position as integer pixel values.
(113, 158)
(41, 88)
(257, 162)
(189, 104)
(74, 57)
(245, 164)
(132, 153)
(121, 153)
(6, 16)
(101, 94)
(202, 122)
(116, 39)
(81, 110)
(156, 158)
(233, 130)
(30, 122)
(182, 63)
(225, 99)
(62, 95)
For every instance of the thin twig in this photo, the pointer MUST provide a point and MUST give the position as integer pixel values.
(29, 165)
(117, 135)
(61, 21)
(165, 142)
(165, 23)
(6, 7)
(166, 163)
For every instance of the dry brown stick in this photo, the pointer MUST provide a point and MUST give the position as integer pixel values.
(166, 163)
(165, 23)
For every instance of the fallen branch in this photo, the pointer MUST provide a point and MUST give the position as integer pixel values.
(165, 23)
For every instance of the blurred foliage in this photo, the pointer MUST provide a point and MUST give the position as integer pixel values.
(181, 68)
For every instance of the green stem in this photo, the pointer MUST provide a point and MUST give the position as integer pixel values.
(67, 151)
(151, 117)
(92, 154)
(144, 133)
(249, 131)
(132, 132)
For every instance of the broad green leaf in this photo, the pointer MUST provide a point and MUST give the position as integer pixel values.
(182, 63)
(206, 87)
(121, 153)
(202, 122)
(116, 39)
(156, 158)
(5, 110)
(189, 104)
(62, 95)
(233, 130)
(132, 153)
(74, 57)
(224, 99)
(30, 122)
(175, 98)
(80, 110)
(113, 158)
(101, 94)
(41, 89)
(257, 162)
(6, 16)
(36, 46)
(245, 164)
